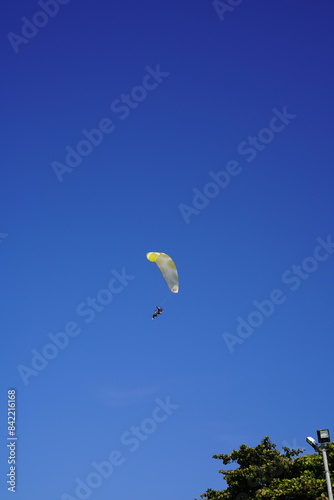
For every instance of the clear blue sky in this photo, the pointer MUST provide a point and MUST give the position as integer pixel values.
(216, 148)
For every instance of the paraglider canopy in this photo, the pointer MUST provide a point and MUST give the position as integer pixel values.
(167, 268)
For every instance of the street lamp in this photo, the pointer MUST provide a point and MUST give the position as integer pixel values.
(323, 438)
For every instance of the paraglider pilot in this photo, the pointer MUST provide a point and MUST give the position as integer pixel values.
(157, 312)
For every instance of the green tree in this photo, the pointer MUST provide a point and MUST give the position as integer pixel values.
(266, 474)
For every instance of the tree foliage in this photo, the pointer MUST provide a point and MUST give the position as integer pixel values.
(264, 473)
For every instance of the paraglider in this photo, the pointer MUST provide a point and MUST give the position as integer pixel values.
(168, 270)
(157, 312)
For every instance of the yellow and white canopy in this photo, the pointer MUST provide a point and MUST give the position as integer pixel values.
(167, 268)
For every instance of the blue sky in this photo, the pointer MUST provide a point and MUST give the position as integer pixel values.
(175, 127)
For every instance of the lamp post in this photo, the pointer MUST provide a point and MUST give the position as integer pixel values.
(323, 438)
